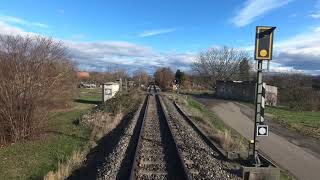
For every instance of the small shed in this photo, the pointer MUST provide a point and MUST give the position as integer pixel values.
(109, 90)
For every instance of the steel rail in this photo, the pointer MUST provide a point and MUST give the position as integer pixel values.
(202, 134)
(266, 160)
(161, 104)
(182, 170)
(139, 144)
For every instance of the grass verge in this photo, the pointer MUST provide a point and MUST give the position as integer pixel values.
(305, 122)
(33, 159)
(229, 139)
(284, 175)
(101, 122)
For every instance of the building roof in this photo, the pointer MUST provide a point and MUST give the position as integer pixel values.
(82, 74)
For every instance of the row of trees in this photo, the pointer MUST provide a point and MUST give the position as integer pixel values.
(211, 65)
(35, 73)
(140, 77)
(294, 90)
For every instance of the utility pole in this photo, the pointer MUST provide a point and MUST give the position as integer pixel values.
(126, 84)
(139, 81)
(120, 81)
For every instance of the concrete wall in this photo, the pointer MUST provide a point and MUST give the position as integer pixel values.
(244, 91)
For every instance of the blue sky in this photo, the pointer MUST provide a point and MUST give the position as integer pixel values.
(152, 33)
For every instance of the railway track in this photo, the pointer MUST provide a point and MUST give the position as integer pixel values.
(157, 155)
(203, 161)
(162, 142)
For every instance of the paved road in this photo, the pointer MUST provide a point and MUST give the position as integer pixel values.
(301, 163)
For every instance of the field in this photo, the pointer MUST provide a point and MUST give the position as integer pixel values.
(33, 159)
(305, 122)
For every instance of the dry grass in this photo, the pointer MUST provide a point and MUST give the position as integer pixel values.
(67, 167)
(227, 142)
(210, 124)
(101, 123)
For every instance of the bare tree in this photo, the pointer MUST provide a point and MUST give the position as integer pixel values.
(295, 91)
(219, 64)
(34, 74)
(141, 77)
(100, 77)
(120, 73)
(164, 78)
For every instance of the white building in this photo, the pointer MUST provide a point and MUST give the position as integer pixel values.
(109, 90)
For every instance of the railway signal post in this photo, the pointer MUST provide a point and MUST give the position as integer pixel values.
(263, 52)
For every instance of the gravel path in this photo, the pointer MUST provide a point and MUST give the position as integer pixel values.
(202, 161)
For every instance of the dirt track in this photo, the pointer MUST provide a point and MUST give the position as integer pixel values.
(301, 162)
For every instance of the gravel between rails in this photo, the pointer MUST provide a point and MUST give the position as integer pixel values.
(201, 161)
(113, 163)
(151, 155)
(157, 156)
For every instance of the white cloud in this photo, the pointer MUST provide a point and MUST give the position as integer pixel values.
(315, 15)
(156, 32)
(256, 8)
(299, 53)
(15, 20)
(8, 29)
(39, 25)
(99, 55)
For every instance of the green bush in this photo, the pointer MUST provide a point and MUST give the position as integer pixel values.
(122, 102)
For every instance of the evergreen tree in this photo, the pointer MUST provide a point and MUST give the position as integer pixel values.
(180, 77)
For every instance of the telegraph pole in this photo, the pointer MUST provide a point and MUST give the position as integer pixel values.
(126, 82)
(263, 52)
(120, 82)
